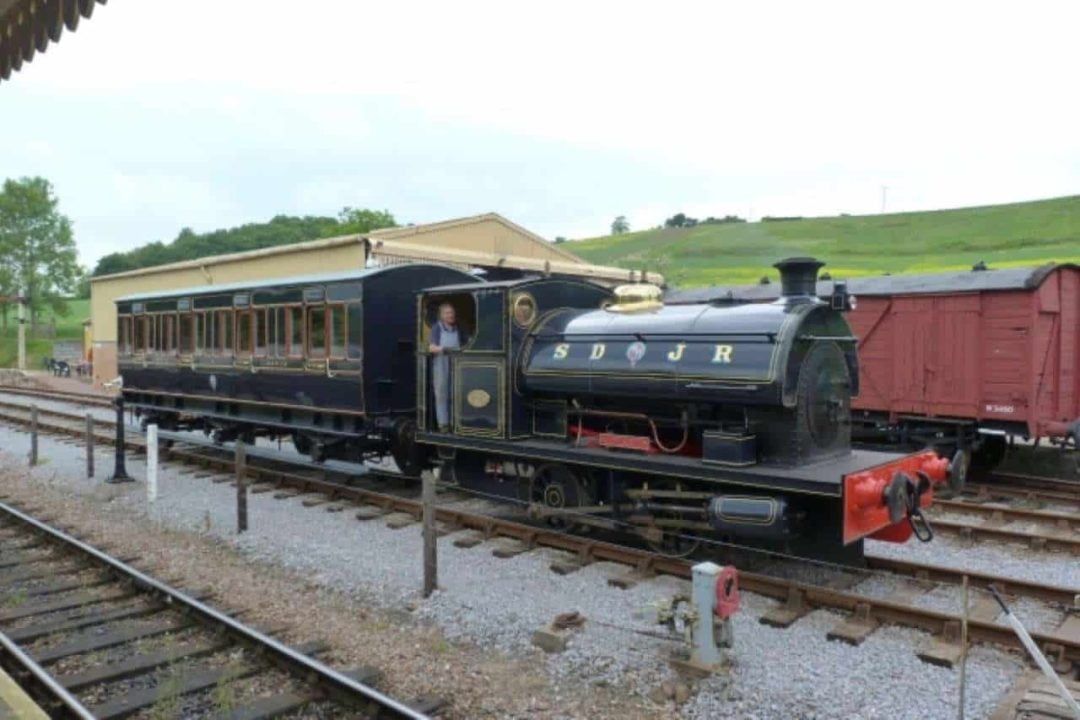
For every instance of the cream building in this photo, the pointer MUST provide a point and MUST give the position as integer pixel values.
(488, 241)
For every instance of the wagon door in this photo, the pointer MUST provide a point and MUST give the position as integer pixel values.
(1005, 356)
(913, 345)
(952, 368)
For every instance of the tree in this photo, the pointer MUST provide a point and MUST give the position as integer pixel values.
(620, 225)
(679, 220)
(360, 221)
(559, 239)
(280, 230)
(36, 244)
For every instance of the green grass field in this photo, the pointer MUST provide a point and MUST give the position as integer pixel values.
(1028, 233)
(68, 327)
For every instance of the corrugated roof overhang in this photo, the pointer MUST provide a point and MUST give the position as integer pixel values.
(28, 26)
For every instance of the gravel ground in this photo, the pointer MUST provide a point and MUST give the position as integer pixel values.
(1044, 566)
(496, 604)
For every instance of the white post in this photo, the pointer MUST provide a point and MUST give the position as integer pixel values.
(20, 320)
(151, 463)
(705, 653)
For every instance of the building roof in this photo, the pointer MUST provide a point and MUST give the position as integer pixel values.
(415, 233)
(28, 26)
(389, 245)
(306, 246)
(1018, 278)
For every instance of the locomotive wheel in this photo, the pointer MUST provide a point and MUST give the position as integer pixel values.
(557, 487)
(676, 543)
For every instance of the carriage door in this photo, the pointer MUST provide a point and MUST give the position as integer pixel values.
(479, 371)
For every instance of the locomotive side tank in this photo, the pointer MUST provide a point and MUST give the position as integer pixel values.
(783, 372)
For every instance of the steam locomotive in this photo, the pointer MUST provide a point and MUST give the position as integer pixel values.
(597, 408)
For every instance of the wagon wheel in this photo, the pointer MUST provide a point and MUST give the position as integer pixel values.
(674, 542)
(557, 487)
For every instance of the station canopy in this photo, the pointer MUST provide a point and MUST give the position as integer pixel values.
(28, 26)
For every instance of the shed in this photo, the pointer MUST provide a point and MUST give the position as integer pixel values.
(488, 242)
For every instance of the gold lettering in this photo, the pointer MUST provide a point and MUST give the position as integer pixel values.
(561, 351)
(597, 351)
(723, 354)
(676, 354)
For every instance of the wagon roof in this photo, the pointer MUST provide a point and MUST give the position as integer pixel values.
(1018, 278)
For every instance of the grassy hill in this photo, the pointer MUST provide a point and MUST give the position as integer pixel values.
(68, 327)
(1027, 233)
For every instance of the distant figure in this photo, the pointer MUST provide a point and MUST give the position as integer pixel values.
(445, 335)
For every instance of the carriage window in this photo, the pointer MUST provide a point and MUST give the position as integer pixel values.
(224, 322)
(125, 336)
(169, 323)
(243, 332)
(296, 331)
(356, 330)
(261, 333)
(276, 325)
(187, 325)
(200, 332)
(317, 332)
(140, 334)
(338, 323)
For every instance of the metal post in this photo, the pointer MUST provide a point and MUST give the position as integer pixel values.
(151, 462)
(120, 469)
(1036, 654)
(20, 320)
(241, 488)
(33, 435)
(963, 649)
(431, 566)
(704, 652)
(89, 445)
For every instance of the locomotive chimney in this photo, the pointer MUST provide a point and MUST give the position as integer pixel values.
(798, 277)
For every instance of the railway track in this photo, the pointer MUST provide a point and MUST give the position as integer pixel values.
(58, 395)
(1061, 487)
(92, 637)
(1055, 531)
(798, 597)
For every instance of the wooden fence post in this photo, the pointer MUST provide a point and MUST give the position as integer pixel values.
(431, 567)
(241, 488)
(89, 445)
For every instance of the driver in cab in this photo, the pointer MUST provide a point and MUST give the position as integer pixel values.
(446, 336)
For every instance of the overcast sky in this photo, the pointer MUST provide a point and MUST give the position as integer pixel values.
(159, 114)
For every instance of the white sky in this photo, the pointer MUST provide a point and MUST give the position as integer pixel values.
(160, 114)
